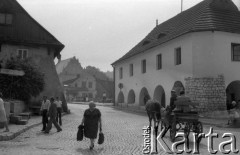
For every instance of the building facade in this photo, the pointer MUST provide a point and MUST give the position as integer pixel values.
(21, 36)
(78, 85)
(196, 51)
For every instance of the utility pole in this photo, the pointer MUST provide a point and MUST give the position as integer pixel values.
(181, 5)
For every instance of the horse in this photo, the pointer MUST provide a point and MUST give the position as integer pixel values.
(153, 109)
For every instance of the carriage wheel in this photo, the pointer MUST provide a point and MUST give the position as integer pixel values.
(162, 125)
(173, 132)
(198, 129)
(187, 129)
(178, 126)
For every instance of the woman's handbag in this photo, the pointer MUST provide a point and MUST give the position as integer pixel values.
(80, 133)
(100, 138)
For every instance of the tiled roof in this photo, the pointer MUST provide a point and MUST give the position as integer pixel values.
(70, 81)
(208, 15)
(62, 64)
(75, 89)
(24, 29)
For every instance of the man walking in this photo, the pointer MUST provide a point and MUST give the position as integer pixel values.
(52, 114)
(59, 111)
(44, 111)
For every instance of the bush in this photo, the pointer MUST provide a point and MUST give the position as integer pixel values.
(22, 87)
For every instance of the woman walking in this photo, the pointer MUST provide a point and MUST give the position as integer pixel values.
(3, 117)
(91, 121)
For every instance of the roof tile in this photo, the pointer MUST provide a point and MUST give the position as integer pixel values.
(208, 15)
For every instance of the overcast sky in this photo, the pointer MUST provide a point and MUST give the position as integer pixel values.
(98, 32)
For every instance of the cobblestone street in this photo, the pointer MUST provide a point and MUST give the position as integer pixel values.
(123, 136)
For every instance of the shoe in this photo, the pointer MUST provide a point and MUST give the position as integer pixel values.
(91, 147)
(59, 130)
(7, 130)
(47, 132)
(42, 130)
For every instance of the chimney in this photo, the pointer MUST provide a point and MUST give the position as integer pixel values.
(156, 22)
(59, 57)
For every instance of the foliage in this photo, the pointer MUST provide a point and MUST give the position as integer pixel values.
(96, 73)
(22, 87)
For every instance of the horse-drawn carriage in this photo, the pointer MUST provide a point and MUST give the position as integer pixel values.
(183, 118)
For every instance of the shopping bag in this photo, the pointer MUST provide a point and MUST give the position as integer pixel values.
(100, 138)
(80, 133)
(236, 115)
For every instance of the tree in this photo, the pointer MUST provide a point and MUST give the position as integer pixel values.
(22, 87)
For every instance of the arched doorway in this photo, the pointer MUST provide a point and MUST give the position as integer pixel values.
(131, 97)
(178, 86)
(233, 91)
(120, 97)
(142, 94)
(159, 95)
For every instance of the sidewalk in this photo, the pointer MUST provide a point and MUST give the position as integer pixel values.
(16, 130)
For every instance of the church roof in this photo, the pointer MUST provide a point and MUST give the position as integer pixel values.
(24, 29)
(61, 65)
(208, 15)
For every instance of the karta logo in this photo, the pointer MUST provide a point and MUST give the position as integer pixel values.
(150, 138)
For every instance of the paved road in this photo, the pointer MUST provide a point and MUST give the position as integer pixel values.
(123, 136)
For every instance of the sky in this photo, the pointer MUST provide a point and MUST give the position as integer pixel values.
(98, 32)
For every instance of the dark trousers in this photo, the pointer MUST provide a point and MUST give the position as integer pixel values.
(49, 125)
(44, 119)
(59, 116)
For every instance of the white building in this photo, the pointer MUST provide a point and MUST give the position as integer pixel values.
(198, 50)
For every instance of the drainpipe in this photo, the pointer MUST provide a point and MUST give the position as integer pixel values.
(114, 86)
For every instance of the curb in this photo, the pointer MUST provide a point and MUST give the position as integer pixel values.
(130, 110)
(87, 103)
(14, 135)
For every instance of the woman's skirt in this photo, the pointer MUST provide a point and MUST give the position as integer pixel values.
(3, 116)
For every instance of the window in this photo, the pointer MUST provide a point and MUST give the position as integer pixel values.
(89, 84)
(159, 61)
(235, 52)
(131, 69)
(178, 56)
(84, 84)
(120, 73)
(146, 42)
(144, 66)
(6, 18)
(22, 53)
(90, 95)
(161, 35)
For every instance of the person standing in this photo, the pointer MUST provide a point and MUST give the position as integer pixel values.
(3, 116)
(104, 97)
(59, 111)
(52, 114)
(173, 98)
(44, 111)
(91, 121)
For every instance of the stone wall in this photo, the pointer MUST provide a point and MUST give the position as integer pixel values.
(208, 92)
(17, 107)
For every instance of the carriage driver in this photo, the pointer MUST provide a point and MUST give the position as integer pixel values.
(181, 100)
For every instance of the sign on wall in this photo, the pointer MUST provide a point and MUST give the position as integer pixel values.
(12, 72)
